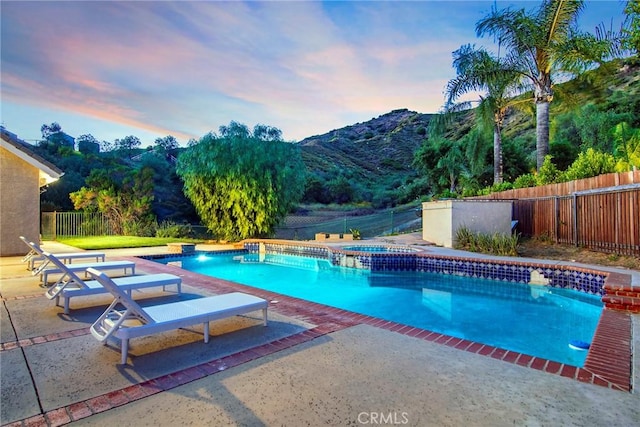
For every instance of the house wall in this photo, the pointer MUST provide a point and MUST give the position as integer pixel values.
(442, 219)
(19, 204)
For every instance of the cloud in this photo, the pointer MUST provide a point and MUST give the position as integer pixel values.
(185, 68)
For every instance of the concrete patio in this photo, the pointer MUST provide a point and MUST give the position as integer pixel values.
(312, 365)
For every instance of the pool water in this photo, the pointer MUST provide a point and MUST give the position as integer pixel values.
(534, 320)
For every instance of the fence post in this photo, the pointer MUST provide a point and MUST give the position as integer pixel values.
(574, 209)
(55, 226)
(392, 221)
(556, 224)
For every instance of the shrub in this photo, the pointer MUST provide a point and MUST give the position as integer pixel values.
(355, 233)
(503, 186)
(525, 181)
(493, 244)
(548, 173)
(171, 229)
(591, 163)
(139, 227)
(447, 194)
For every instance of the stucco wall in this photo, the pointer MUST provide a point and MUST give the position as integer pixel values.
(442, 219)
(19, 204)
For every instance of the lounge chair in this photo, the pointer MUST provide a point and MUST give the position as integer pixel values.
(70, 285)
(65, 269)
(134, 321)
(35, 255)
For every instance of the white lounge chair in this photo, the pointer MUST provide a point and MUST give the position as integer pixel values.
(44, 272)
(107, 265)
(134, 321)
(70, 285)
(35, 255)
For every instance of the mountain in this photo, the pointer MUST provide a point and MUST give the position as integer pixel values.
(376, 154)
(375, 157)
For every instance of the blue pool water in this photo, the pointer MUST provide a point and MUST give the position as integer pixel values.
(533, 320)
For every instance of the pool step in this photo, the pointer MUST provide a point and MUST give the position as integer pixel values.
(620, 294)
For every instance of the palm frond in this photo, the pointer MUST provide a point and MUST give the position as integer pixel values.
(558, 17)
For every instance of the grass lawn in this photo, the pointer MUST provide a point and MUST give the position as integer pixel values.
(118, 242)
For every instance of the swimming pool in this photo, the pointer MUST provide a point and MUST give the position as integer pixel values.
(530, 319)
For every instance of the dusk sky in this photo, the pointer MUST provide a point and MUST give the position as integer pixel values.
(157, 68)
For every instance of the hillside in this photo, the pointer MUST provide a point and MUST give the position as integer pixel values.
(370, 163)
(374, 154)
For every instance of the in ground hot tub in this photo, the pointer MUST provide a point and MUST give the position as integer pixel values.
(385, 249)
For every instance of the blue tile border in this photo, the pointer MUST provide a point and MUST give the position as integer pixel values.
(558, 276)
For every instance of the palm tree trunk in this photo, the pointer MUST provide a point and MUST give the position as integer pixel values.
(542, 131)
(497, 155)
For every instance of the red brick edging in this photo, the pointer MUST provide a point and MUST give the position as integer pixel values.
(608, 363)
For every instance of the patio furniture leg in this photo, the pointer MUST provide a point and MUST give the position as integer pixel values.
(124, 350)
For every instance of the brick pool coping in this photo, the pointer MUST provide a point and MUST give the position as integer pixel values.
(608, 362)
(609, 359)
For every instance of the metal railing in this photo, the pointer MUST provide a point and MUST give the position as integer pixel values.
(54, 224)
(382, 223)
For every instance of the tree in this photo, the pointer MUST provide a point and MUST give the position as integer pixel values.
(48, 130)
(166, 144)
(546, 43)
(452, 165)
(267, 133)
(477, 70)
(235, 130)
(631, 31)
(340, 190)
(107, 146)
(87, 144)
(442, 161)
(627, 147)
(127, 144)
(55, 140)
(240, 185)
(127, 206)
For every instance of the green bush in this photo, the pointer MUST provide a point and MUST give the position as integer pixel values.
(591, 163)
(139, 227)
(548, 173)
(503, 186)
(355, 233)
(525, 181)
(493, 244)
(447, 194)
(171, 229)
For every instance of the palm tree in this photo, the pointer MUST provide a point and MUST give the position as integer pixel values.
(478, 70)
(631, 30)
(546, 44)
(627, 147)
(452, 164)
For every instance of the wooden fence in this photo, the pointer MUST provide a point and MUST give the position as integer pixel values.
(601, 213)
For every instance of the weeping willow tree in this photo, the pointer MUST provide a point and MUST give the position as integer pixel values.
(242, 183)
